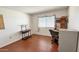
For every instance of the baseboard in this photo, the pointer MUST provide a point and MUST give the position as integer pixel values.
(41, 35)
(8, 43)
(17, 39)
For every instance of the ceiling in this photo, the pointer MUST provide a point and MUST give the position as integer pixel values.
(33, 9)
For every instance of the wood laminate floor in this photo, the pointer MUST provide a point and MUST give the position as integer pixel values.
(36, 43)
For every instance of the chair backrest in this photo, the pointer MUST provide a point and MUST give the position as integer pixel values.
(54, 36)
(53, 33)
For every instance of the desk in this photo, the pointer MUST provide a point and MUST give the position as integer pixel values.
(68, 40)
(24, 32)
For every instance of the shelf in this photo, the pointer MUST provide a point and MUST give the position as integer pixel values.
(26, 37)
(26, 32)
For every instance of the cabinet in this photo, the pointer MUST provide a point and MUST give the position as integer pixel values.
(61, 22)
(68, 41)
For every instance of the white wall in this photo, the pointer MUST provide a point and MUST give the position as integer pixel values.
(34, 20)
(73, 17)
(12, 20)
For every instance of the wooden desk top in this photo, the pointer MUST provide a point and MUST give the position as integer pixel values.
(25, 31)
(65, 30)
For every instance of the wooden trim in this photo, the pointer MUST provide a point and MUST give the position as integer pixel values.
(1, 22)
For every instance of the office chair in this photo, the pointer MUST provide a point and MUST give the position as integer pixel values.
(54, 36)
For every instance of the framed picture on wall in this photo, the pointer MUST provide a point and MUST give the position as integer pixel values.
(1, 22)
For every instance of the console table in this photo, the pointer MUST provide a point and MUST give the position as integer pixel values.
(24, 32)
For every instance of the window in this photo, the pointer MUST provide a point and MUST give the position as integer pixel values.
(46, 21)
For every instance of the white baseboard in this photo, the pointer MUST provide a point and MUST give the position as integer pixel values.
(8, 43)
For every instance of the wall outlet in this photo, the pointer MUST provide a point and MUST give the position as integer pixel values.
(10, 37)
